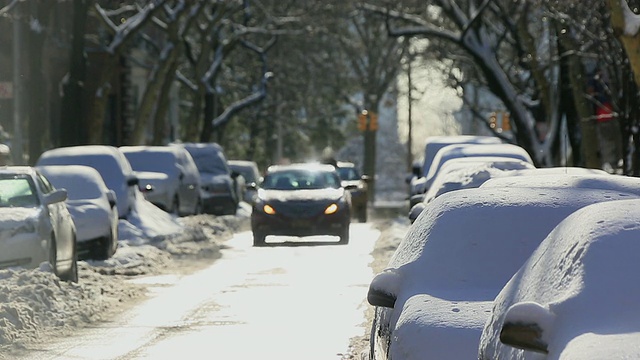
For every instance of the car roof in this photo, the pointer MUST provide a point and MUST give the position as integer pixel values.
(301, 166)
(17, 169)
(585, 271)
(82, 150)
(501, 226)
(345, 164)
(150, 149)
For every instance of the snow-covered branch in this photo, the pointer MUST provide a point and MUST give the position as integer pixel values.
(5, 10)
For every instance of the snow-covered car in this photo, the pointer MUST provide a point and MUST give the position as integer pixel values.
(576, 296)
(301, 200)
(110, 162)
(92, 206)
(168, 177)
(433, 299)
(432, 145)
(466, 173)
(35, 225)
(218, 186)
(358, 186)
(251, 174)
(456, 151)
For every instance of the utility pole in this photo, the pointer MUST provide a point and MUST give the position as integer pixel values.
(368, 124)
(16, 142)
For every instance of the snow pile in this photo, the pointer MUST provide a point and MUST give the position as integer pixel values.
(34, 302)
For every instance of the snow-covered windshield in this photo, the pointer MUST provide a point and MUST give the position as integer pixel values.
(78, 187)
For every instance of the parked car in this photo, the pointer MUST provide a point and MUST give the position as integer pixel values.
(358, 187)
(434, 298)
(301, 200)
(92, 206)
(218, 186)
(433, 144)
(110, 162)
(576, 296)
(466, 173)
(168, 177)
(35, 225)
(251, 174)
(466, 150)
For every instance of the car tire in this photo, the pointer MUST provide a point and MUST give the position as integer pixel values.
(344, 236)
(103, 250)
(259, 238)
(71, 275)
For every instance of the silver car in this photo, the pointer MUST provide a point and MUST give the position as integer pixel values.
(35, 225)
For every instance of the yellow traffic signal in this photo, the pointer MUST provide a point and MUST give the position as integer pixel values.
(362, 121)
(493, 120)
(506, 125)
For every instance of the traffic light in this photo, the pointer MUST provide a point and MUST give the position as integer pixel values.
(362, 120)
(373, 121)
(493, 120)
(506, 125)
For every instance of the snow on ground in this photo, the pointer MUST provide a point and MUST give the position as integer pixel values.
(35, 303)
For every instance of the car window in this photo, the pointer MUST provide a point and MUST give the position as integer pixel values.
(301, 180)
(209, 160)
(153, 161)
(348, 173)
(247, 173)
(18, 192)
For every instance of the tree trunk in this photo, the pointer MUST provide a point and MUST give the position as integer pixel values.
(630, 42)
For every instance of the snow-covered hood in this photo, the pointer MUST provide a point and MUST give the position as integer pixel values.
(436, 328)
(155, 179)
(283, 196)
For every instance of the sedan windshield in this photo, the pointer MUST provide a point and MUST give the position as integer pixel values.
(300, 180)
(17, 192)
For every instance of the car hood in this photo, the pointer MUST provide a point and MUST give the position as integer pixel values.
(439, 328)
(14, 221)
(316, 195)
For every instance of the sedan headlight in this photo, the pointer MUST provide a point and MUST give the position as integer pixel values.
(268, 209)
(331, 209)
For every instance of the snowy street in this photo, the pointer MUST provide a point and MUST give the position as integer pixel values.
(286, 301)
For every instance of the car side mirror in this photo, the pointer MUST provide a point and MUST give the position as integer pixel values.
(58, 195)
(416, 171)
(235, 174)
(252, 186)
(383, 289)
(525, 326)
(365, 178)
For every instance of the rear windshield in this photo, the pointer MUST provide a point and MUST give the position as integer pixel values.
(209, 160)
(348, 173)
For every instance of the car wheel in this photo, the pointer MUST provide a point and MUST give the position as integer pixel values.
(259, 238)
(103, 248)
(71, 275)
(344, 236)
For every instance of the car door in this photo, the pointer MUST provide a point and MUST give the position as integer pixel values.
(189, 182)
(61, 222)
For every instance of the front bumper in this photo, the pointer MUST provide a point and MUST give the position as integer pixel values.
(301, 225)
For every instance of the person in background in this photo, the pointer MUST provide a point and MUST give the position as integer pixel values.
(608, 129)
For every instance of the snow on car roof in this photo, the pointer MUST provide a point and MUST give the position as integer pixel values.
(434, 143)
(81, 182)
(473, 150)
(91, 155)
(475, 229)
(586, 273)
